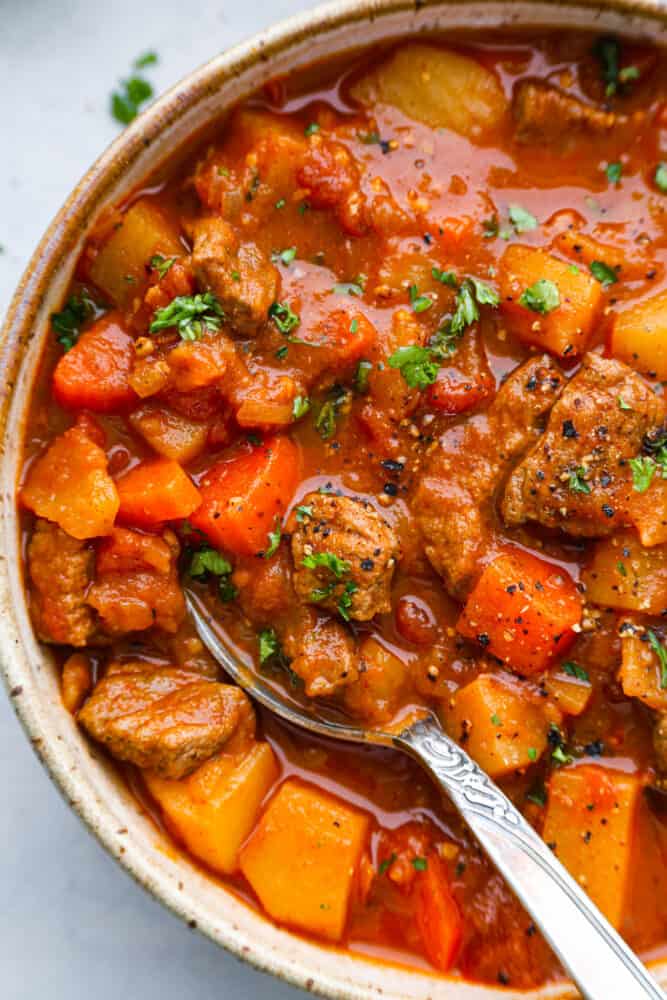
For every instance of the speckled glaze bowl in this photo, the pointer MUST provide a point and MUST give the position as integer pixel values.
(90, 785)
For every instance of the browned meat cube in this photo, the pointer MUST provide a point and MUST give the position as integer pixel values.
(165, 719)
(322, 652)
(546, 115)
(454, 502)
(577, 476)
(344, 556)
(136, 583)
(60, 570)
(245, 282)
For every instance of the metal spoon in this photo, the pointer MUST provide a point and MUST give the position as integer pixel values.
(596, 957)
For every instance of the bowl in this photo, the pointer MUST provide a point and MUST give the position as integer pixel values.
(89, 783)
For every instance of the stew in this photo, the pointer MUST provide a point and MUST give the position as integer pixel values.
(376, 368)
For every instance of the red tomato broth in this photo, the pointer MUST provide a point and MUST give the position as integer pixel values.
(444, 186)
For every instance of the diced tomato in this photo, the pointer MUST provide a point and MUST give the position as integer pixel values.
(522, 610)
(243, 495)
(94, 373)
(155, 491)
(438, 918)
(453, 393)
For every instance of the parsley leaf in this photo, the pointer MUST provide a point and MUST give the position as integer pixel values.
(603, 273)
(415, 365)
(643, 469)
(327, 560)
(283, 317)
(345, 602)
(361, 376)
(660, 176)
(446, 277)
(661, 652)
(311, 128)
(300, 407)
(420, 864)
(348, 288)
(161, 264)
(268, 645)
(126, 102)
(419, 303)
(68, 322)
(542, 297)
(577, 482)
(574, 670)
(522, 220)
(206, 562)
(147, 59)
(284, 256)
(614, 172)
(274, 541)
(387, 863)
(302, 512)
(192, 315)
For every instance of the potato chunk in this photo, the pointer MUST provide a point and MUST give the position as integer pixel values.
(623, 574)
(640, 674)
(120, 267)
(598, 825)
(168, 433)
(565, 329)
(571, 694)
(215, 808)
(496, 723)
(639, 336)
(438, 87)
(303, 856)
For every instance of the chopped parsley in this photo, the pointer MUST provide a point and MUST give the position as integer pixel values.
(325, 423)
(643, 469)
(327, 560)
(532, 753)
(207, 562)
(615, 78)
(614, 172)
(490, 227)
(345, 602)
(386, 864)
(577, 483)
(445, 277)
(419, 303)
(574, 670)
(284, 256)
(361, 376)
(542, 297)
(302, 512)
(311, 128)
(68, 322)
(522, 220)
(300, 407)
(622, 405)
(283, 317)
(161, 264)
(661, 652)
(603, 273)
(496, 720)
(660, 176)
(416, 365)
(537, 793)
(269, 645)
(348, 288)
(281, 203)
(127, 100)
(191, 315)
(147, 59)
(274, 541)
(420, 864)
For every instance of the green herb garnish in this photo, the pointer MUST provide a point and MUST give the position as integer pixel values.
(191, 315)
(542, 297)
(603, 273)
(68, 322)
(283, 317)
(161, 264)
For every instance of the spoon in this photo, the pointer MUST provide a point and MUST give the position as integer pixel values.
(596, 957)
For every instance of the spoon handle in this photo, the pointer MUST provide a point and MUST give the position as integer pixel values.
(597, 958)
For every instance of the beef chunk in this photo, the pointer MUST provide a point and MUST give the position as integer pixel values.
(454, 501)
(164, 719)
(577, 476)
(546, 115)
(344, 556)
(243, 279)
(60, 569)
(321, 650)
(136, 583)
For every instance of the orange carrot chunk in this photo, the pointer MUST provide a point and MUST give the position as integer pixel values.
(522, 610)
(438, 918)
(244, 495)
(155, 491)
(94, 373)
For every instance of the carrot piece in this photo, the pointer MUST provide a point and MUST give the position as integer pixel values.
(155, 491)
(243, 495)
(453, 392)
(351, 336)
(70, 484)
(523, 610)
(94, 373)
(564, 331)
(438, 918)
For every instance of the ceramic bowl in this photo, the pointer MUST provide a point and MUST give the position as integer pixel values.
(90, 785)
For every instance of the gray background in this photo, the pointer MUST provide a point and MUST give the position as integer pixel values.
(72, 924)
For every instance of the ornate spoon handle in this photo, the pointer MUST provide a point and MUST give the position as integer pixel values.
(597, 958)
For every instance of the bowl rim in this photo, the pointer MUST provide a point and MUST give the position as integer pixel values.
(55, 247)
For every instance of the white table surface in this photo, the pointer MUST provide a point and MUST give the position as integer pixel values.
(72, 923)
